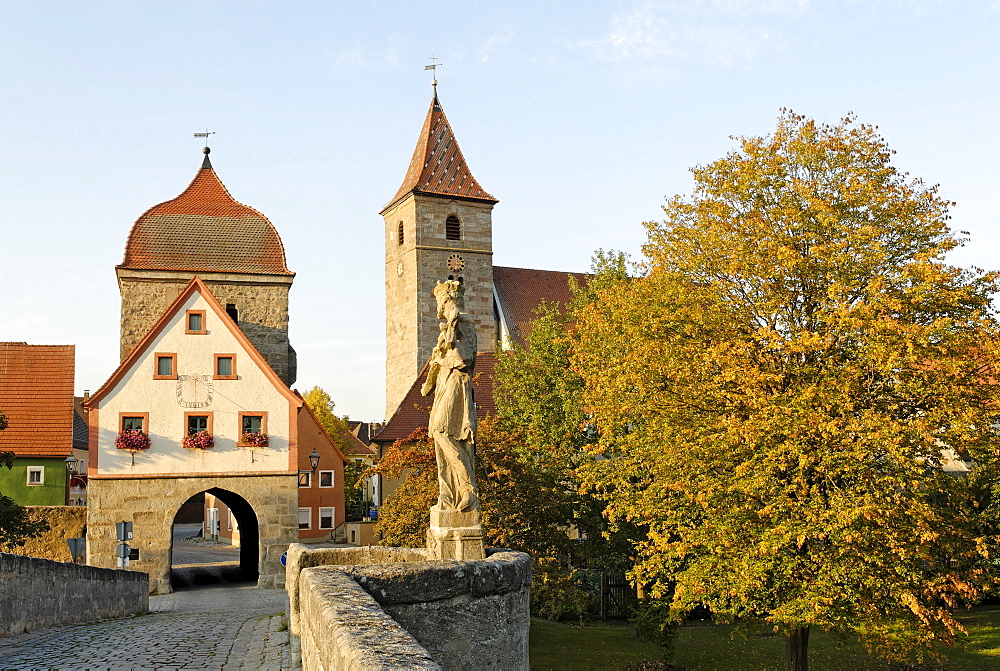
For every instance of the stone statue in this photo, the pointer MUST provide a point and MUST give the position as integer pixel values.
(456, 532)
(453, 415)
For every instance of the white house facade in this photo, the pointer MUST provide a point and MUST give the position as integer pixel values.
(193, 408)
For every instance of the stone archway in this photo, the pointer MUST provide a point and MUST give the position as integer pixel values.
(247, 552)
(266, 504)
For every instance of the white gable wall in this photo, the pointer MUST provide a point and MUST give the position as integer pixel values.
(138, 392)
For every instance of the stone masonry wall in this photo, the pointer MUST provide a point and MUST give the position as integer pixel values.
(301, 557)
(39, 593)
(411, 311)
(151, 503)
(64, 522)
(262, 302)
(466, 614)
(344, 629)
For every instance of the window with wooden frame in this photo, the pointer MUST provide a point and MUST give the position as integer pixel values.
(197, 421)
(225, 367)
(326, 518)
(305, 518)
(326, 478)
(252, 422)
(133, 421)
(305, 478)
(36, 476)
(164, 366)
(194, 322)
(453, 228)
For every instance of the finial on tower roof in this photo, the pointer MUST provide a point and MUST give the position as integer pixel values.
(433, 67)
(206, 163)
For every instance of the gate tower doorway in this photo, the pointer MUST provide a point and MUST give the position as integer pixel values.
(212, 546)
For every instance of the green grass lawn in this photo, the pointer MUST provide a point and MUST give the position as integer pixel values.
(706, 646)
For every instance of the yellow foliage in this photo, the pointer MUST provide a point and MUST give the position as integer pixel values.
(773, 395)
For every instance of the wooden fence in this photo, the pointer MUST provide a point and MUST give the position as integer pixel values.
(618, 597)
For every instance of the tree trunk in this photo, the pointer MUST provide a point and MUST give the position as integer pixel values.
(796, 649)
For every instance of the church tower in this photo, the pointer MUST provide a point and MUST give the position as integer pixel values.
(438, 225)
(233, 248)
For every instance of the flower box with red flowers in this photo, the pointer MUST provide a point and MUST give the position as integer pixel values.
(202, 440)
(253, 440)
(133, 441)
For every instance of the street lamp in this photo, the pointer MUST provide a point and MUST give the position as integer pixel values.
(71, 464)
(314, 461)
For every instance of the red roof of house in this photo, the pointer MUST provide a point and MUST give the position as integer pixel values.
(414, 410)
(354, 447)
(36, 395)
(521, 290)
(205, 230)
(437, 166)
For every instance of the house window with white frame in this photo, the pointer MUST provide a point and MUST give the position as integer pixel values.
(305, 478)
(326, 478)
(36, 475)
(305, 518)
(326, 518)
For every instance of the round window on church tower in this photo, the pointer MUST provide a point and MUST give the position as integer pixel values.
(453, 228)
(401, 233)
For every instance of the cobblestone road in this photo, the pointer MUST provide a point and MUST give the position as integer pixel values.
(212, 628)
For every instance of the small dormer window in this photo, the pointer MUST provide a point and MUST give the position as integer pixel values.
(195, 324)
(453, 228)
(401, 236)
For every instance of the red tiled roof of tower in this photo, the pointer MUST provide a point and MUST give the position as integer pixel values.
(205, 230)
(521, 290)
(36, 395)
(437, 166)
(414, 410)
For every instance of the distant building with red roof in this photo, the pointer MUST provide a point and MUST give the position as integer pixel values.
(36, 396)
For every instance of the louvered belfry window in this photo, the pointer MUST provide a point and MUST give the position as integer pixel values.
(401, 238)
(453, 228)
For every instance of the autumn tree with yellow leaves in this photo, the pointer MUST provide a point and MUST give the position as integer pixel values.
(774, 393)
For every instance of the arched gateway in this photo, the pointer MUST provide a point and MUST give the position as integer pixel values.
(264, 505)
(193, 408)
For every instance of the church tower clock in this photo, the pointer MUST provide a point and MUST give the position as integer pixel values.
(437, 225)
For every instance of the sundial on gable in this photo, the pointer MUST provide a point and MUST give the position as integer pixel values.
(194, 391)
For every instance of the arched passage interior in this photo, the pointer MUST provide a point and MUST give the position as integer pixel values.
(246, 518)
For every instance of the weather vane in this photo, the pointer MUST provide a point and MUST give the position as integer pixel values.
(433, 67)
(205, 135)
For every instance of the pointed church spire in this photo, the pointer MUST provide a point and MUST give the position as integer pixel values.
(437, 166)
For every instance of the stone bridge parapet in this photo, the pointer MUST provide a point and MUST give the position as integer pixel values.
(39, 593)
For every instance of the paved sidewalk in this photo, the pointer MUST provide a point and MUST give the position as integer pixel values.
(213, 628)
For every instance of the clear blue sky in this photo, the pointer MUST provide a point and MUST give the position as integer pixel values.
(579, 116)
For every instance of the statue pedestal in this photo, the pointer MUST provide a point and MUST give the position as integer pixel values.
(455, 535)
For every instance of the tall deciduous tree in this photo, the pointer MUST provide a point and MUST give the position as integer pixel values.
(540, 408)
(323, 407)
(774, 395)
